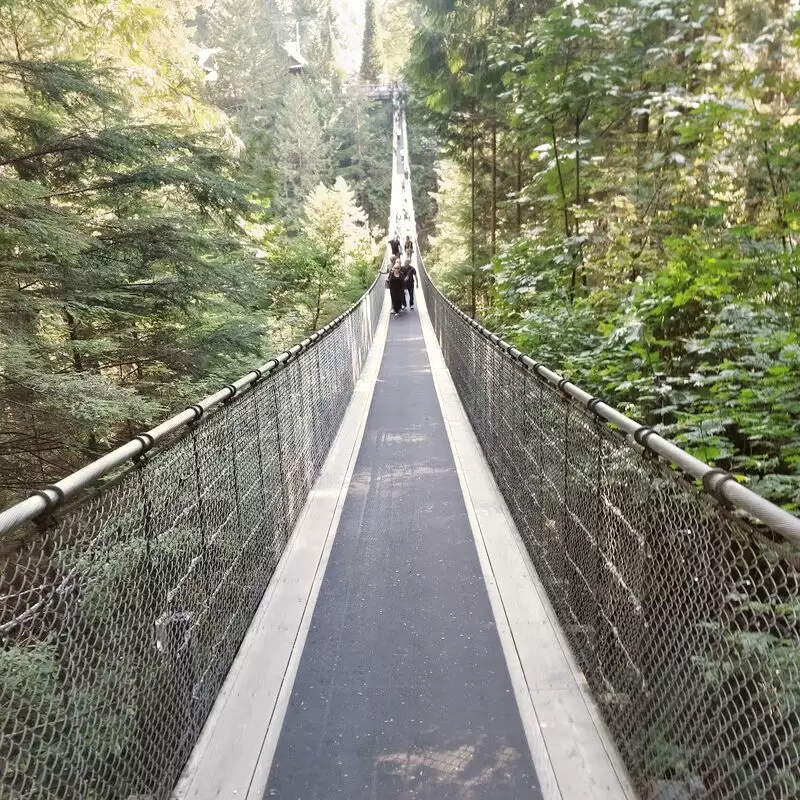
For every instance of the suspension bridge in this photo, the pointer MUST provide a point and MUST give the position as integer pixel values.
(400, 560)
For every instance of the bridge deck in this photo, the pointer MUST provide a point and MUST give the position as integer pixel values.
(391, 656)
(404, 648)
(402, 688)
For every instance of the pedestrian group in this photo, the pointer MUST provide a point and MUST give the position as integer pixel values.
(402, 279)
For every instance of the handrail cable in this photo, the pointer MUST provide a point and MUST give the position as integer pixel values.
(47, 498)
(717, 482)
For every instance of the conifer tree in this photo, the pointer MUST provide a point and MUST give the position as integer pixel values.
(121, 264)
(318, 271)
(301, 149)
(370, 58)
(250, 69)
(361, 135)
(321, 50)
(245, 37)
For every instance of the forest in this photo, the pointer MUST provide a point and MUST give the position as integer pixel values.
(187, 189)
(615, 197)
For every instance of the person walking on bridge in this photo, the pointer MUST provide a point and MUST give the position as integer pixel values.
(394, 244)
(409, 247)
(412, 281)
(397, 289)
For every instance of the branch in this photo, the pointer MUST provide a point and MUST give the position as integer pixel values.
(560, 179)
(46, 151)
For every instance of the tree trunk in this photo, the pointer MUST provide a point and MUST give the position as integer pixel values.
(564, 208)
(777, 196)
(72, 329)
(642, 129)
(318, 309)
(519, 190)
(575, 218)
(494, 187)
(472, 224)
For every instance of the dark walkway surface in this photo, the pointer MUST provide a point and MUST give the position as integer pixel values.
(402, 689)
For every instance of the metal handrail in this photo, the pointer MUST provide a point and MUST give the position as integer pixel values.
(717, 482)
(47, 498)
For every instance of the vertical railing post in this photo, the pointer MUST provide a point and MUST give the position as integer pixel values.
(474, 341)
(67, 702)
(262, 547)
(259, 438)
(175, 641)
(544, 532)
(491, 406)
(528, 466)
(321, 421)
(300, 416)
(143, 676)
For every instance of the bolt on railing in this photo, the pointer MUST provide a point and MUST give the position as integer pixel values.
(128, 586)
(683, 613)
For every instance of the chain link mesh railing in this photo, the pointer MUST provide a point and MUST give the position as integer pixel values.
(120, 617)
(682, 615)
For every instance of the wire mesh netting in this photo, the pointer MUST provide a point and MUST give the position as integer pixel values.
(683, 617)
(120, 618)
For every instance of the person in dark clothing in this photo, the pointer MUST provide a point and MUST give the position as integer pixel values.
(394, 244)
(404, 273)
(411, 282)
(409, 247)
(397, 289)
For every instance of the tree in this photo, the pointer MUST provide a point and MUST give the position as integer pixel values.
(449, 249)
(322, 50)
(244, 37)
(318, 268)
(627, 170)
(300, 147)
(614, 156)
(242, 45)
(423, 153)
(451, 70)
(124, 265)
(361, 137)
(395, 20)
(136, 211)
(370, 58)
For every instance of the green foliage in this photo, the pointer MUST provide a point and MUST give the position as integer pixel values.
(162, 228)
(631, 163)
(448, 253)
(99, 718)
(141, 199)
(625, 171)
(370, 58)
(423, 153)
(249, 76)
(361, 136)
(124, 263)
(322, 269)
(396, 20)
(300, 147)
